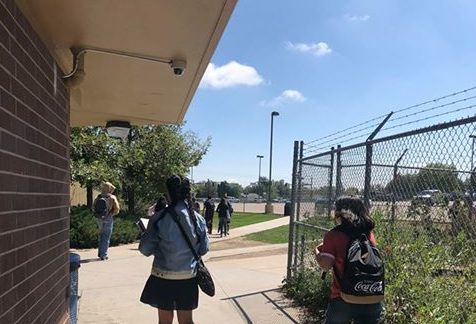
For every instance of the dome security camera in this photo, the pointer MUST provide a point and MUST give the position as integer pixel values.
(178, 66)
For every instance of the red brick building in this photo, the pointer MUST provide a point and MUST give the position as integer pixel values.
(120, 77)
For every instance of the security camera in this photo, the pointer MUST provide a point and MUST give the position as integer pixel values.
(178, 66)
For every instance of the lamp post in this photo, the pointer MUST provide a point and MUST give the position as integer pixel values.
(269, 206)
(259, 172)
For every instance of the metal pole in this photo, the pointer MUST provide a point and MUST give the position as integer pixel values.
(368, 161)
(472, 166)
(395, 175)
(331, 175)
(338, 173)
(368, 175)
(259, 174)
(269, 206)
(298, 200)
(293, 211)
(270, 160)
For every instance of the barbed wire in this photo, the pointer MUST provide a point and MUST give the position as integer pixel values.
(317, 149)
(343, 136)
(344, 130)
(429, 117)
(318, 144)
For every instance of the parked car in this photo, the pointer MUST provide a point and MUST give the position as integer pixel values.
(427, 197)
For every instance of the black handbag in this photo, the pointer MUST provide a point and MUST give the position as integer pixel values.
(204, 278)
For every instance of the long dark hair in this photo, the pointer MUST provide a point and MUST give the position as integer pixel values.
(161, 204)
(354, 215)
(179, 189)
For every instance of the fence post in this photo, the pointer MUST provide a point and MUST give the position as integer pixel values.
(338, 173)
(368, 160)
(298, 200)
(368, 175)
(395, 176)
(302, 252)
(293, 209)
(331, 176)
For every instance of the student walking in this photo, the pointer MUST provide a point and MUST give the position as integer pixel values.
(172, 285)
(349, 249)
(224, 215)
(209, 211)
(105, 207)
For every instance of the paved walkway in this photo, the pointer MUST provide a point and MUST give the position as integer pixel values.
(246, 280)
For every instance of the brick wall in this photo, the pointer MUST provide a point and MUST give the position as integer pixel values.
(34, 177)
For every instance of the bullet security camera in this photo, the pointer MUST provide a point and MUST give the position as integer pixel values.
(178, 66)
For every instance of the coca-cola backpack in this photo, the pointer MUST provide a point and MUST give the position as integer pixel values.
(363, 279)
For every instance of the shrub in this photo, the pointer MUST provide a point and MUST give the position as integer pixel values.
(430, 274)
(84, 229)
(309, 290)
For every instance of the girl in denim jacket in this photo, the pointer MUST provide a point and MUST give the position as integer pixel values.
(172, 284)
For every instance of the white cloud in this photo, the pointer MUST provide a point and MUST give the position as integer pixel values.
(318, 49)
(232, 74)
(356, 18)
(286, 96)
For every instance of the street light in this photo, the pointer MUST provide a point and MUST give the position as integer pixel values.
(259, 172)
(269, 206)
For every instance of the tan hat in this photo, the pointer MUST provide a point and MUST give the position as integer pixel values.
(110, 187)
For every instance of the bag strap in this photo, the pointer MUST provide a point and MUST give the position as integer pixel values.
(174, 214)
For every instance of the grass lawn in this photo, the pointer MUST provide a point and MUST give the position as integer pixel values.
(242, 219)
(273, 236)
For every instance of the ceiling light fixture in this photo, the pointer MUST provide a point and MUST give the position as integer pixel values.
(118, 128)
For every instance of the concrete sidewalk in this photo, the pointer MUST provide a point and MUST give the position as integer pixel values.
(246, 280)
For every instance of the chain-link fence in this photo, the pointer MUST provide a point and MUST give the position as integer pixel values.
(420, 188)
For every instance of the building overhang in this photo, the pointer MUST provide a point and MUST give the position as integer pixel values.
(136, 86)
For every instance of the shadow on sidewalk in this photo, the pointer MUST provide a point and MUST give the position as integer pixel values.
(248, 305)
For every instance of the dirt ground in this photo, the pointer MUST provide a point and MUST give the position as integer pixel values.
(239, 243)
(235, 243)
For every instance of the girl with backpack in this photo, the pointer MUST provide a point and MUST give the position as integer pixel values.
(171, 235)
(349, 249)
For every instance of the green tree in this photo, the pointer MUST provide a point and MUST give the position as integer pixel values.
(139, 165)
(283, 189)
(433, 176)
(205, 188)
(439, 176)
(93, 159)
(225, 188)
(153, 153)
(351, 191)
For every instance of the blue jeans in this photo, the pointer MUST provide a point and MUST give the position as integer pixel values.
(105, 232)
(338, 311)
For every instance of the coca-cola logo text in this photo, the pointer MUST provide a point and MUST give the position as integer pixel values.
(369, 287)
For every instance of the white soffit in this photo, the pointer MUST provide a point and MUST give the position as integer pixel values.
(121, 88)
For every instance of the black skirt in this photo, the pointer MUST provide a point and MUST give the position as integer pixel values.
(170, 294)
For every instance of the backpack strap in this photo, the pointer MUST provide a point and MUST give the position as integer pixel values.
(174, 215)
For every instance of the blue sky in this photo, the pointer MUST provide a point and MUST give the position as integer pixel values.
(325, 66)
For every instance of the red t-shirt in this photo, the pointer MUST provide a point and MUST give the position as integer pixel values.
(335, 245)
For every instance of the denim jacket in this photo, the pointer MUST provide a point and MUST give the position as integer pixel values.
(172, 256)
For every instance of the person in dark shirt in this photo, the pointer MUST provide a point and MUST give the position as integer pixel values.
(208, 212)
(224, 215)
